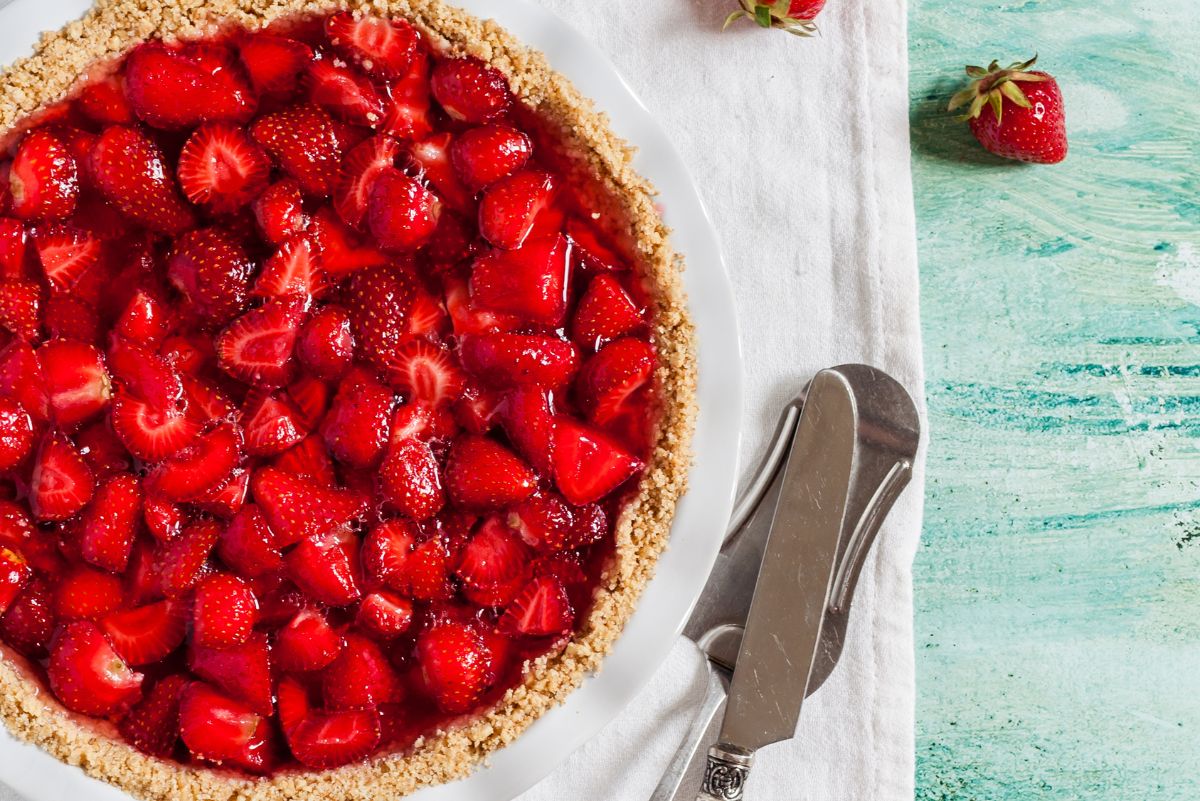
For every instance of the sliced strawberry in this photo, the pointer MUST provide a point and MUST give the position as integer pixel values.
(544, 522)
(87, 675)
(484, 155)
(356, 427)
(605, 313)
(131, 172)
(44, 178)
(543, 609)
(14, 244)
(341, 251)
(345, 92)
(16, 434)
(477, 408)
(272, 425)
(427, 316)
(257, 347)
(30, 620)
(326, 344)
(309, 458)
(360, 678)
(419, 420)
(431, 156)
(110, 523)
(612, 376)
(222, 169)
(70, 317)
(363, 165)
(529, 282)
(378, 301)
(274, 63)
(220, 730)
(470, 90)
(146, 375)
(304, 143)
(425, 372)
(15, 573)
(307, 642)
(483, 474)
(247, 546)
(310, 397)
(408, 116)
(402, 214)
(594, 253)
(146, 320)
(181, 86)
(190, 354)
(527, 418)
(200, 467)
(243, 670)
(294, 270)
(384, 48)
(409, 480)
(587, 463)
(326, 567)
(163, 519)
(181, 561)
(228, 497)
(104, 102)
(77, 384)
(384, 615)
(456, 665)
(279, 211)
(61, 483)
(65, 254)
(147, 634)
(224, 611)
(566, 566)
(297, 507)
(211, 268)
(494, 565)
(148, 433)
(520, 359)
(329, 739)
(386, 549)
(509, 209)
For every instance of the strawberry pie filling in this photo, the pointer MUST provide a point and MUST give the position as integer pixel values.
(321, 391)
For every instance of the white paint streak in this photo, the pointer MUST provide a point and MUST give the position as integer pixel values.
(1180, 272)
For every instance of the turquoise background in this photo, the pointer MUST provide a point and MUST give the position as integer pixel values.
(1058, 581)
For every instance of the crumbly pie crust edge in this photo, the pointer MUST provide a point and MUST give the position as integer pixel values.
(111, 28)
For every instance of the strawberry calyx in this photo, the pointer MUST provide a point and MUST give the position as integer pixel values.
(990, 86)
(784, 15)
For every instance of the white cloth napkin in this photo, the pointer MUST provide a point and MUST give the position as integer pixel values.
(800, 148)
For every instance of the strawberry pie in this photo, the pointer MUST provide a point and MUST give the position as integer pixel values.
(345, 395)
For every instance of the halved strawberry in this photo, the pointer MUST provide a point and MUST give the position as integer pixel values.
(494, 564)
(220, 730)
(356, 426)
(65, 254)
(605, 312)
(402, 214)
(164, 520)
(326, 344)
(509, 209)
(408, 115)
(612, 377)
(279, 211)
(424, 372)
(104, 102)
(15, 573)
(110, 523)
(14, 244)
(386, 549)
(409, 480)
(181, 561)
(257, 347)
(309, 458)
(297, 507)
(384, 615)
(87, 675)
(242, 670)
(484, 155)
(329, 739)
(246, 544)
(590, 526)
(427, 316)
(77, 385)
(307, 642)
(420, 420)
(483, 474)
(362, 166)
(529, 282)
(200, 467)
(360, 678)
(144, 374)
(294, 270)
(470, 90)
(341, 251)
(304, 143)
(456, 664)
(178, 86)
(516, 360)
(210, 267)
(145, 320)
(566, 566)
(345, 92)
(131, 172)
(527, 418)
(44, 178)
(431, 156)
(378, 301)
(147, 634)
(587, 463)
(477, 408)
(543, 609)
(326, 567)
(153, 724)
(544, 522)
(150, 433)
(71, 317)
(16, 434)
(272, 425)
(30, 620)
(222, 169)
(310, 397)
(85, 593)
(273, 63)
(190, 354)
(61, 483)
(454, 244)
(224, 611)
(595, 255)
(384, 48)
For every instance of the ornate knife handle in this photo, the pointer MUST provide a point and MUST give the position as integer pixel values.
(725, 774)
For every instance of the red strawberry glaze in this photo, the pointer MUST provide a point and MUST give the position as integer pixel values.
(268, 513)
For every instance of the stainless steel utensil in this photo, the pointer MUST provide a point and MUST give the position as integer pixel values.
(885, 428)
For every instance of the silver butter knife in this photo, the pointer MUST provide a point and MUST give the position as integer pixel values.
(851, 413)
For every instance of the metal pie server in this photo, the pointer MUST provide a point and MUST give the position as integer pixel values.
(851, 414)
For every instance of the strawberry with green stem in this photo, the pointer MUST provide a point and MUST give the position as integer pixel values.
(794, 16)
(1014, 113)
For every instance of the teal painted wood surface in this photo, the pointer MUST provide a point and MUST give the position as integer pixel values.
(1058, 582)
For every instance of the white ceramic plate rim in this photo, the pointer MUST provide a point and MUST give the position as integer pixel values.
(699, 522)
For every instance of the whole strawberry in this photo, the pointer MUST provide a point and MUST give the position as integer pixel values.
(794, 16)
(1014, 113)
